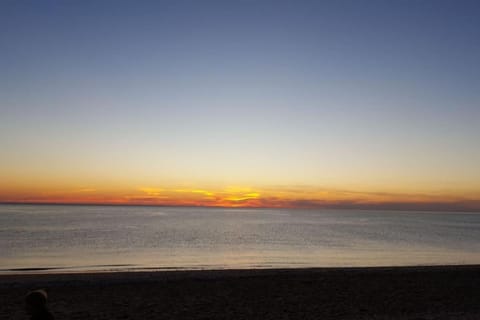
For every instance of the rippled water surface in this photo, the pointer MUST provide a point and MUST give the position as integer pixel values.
(78, 238)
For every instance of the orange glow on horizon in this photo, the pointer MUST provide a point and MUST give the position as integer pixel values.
(233, 196)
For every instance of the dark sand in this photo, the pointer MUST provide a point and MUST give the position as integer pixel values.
(449, 292)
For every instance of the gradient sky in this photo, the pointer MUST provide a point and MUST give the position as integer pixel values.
(258, 103)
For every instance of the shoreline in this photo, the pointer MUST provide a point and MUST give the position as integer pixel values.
(414, 292)
(71, 272)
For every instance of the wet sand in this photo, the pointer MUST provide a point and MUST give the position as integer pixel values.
(441, 292)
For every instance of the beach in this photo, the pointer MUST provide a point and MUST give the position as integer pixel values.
(434, 292)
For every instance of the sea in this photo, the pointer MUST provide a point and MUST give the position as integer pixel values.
(81, 238)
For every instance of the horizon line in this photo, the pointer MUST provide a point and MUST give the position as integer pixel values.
(375, 207)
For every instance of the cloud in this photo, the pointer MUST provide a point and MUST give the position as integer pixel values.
(272, 197)
(303, 197)
(204, 192)
(86, 190)
(154, 192)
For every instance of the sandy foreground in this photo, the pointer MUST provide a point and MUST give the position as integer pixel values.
(441, 292)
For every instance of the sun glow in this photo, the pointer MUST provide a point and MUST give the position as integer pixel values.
(245, 196)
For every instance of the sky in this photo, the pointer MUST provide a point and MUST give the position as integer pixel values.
(347, 104)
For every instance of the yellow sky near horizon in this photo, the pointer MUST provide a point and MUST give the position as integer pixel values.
(131, 179)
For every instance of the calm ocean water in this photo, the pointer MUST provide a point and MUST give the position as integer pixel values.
(79, 238)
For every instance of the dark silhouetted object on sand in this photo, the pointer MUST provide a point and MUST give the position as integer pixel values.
(36, 305)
